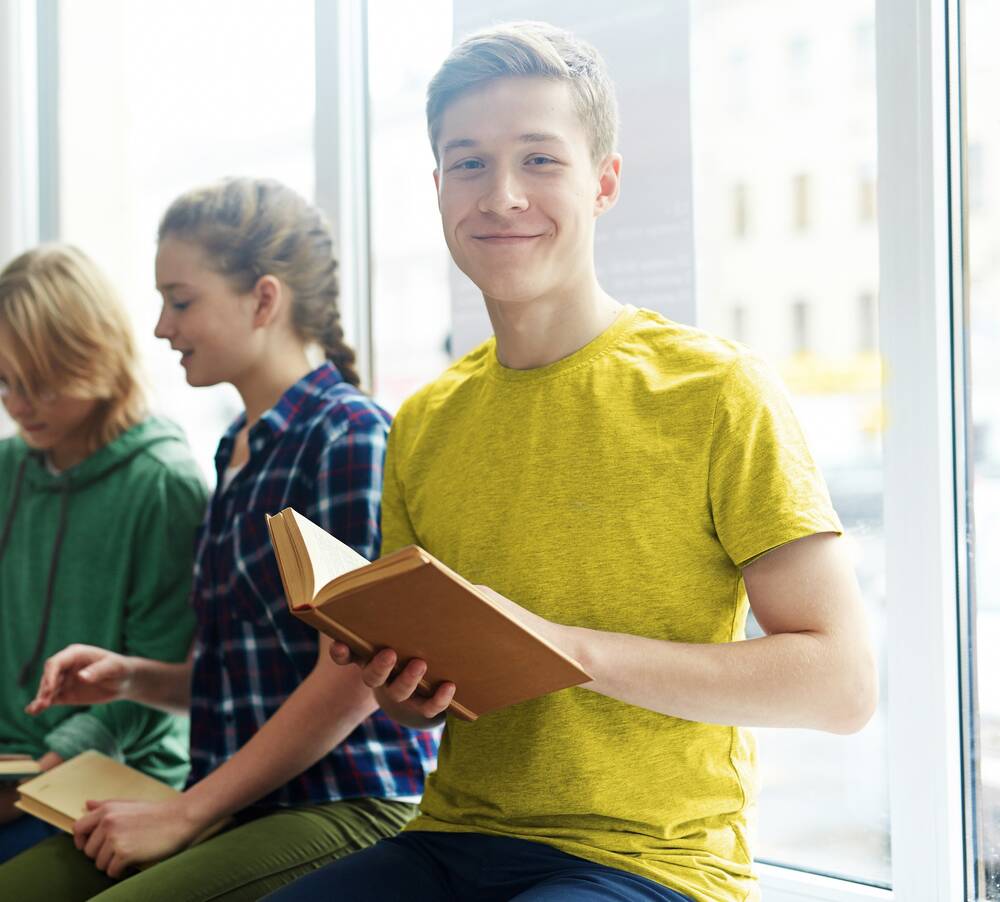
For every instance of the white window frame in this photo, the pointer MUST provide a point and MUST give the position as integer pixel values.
(920, 253)
(341, 140)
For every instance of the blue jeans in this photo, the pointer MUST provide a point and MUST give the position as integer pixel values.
(21, 834)
(453, 867)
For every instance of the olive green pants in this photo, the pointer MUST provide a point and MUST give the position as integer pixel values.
(243, 863)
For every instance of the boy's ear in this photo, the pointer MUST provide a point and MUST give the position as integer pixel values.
(269, 295)
(609, 174)
(437, 186)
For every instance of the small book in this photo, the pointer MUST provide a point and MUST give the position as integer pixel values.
(409, 601)
(17, 767)
(59, 796)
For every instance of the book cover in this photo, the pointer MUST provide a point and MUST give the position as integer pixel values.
(411, 602)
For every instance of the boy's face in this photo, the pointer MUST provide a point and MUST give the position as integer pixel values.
(518, 190)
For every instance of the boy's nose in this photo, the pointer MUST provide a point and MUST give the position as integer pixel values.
(504, 194)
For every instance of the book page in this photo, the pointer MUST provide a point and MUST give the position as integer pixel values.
(329, 556)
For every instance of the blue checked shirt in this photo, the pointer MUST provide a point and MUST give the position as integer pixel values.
(320, 449)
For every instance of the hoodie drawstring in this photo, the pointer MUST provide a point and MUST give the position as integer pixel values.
(8, 526)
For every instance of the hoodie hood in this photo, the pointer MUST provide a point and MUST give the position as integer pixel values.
(117, 453)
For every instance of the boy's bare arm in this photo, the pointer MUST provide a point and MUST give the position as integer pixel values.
(815, 667)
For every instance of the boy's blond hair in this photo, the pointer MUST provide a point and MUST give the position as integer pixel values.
(67, 333)
(529, 49)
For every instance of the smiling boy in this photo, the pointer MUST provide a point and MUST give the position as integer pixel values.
(630, 484)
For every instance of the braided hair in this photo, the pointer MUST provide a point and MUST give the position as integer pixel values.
(250, 228)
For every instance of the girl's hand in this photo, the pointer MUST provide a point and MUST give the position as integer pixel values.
(82, 675)
(118, 835)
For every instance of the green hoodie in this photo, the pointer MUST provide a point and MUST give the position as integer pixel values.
(115, 534)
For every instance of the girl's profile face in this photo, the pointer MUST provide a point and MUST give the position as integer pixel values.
(203, 317)
(52, 423)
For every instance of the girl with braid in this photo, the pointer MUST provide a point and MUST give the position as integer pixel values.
(288, 746)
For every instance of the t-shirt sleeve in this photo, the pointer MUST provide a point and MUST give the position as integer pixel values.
(397, 529)
(765, 488)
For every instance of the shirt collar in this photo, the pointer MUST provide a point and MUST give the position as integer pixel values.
(277, 420)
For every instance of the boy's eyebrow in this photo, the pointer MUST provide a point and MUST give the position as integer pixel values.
(526, 138)
(170, 286)
(539, 138)
(459, 143)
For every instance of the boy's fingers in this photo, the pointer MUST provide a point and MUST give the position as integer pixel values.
(375, 673)
(341, 653)
(439, 701)
(407, 681)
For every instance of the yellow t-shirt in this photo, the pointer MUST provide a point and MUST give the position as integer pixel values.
(620, 489)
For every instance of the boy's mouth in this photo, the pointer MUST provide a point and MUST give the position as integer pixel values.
(503, 238)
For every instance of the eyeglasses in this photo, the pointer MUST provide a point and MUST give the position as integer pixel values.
(10, 389)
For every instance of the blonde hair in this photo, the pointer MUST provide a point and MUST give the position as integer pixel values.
(68, 333)
(250, 228)
(526, 49)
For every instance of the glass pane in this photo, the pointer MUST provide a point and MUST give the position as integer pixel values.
(983, 179)
(784, 142)
(154, 99)
(411, 298)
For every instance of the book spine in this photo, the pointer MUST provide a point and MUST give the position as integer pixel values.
(320, 620)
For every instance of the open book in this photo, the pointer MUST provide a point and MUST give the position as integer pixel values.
(59, 796)
(414, 604)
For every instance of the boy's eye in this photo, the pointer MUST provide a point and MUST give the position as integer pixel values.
(539, 160)
(466, 165)
(180, 305)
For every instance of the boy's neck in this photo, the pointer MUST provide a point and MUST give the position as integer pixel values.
(532, 334)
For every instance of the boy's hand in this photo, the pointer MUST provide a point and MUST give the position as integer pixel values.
(398, 696)
(82, 675)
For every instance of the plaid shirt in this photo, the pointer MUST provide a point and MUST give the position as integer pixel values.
(320, 449)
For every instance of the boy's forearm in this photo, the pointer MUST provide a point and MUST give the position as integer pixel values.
(783, 680)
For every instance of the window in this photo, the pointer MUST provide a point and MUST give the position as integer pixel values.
(824, 804)
(800, 328)
(801, 213)
(867, 324)
(155, 99)
(411, 297)
(741, 212)
(983, 312)
(740, 323)
(867, 197)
